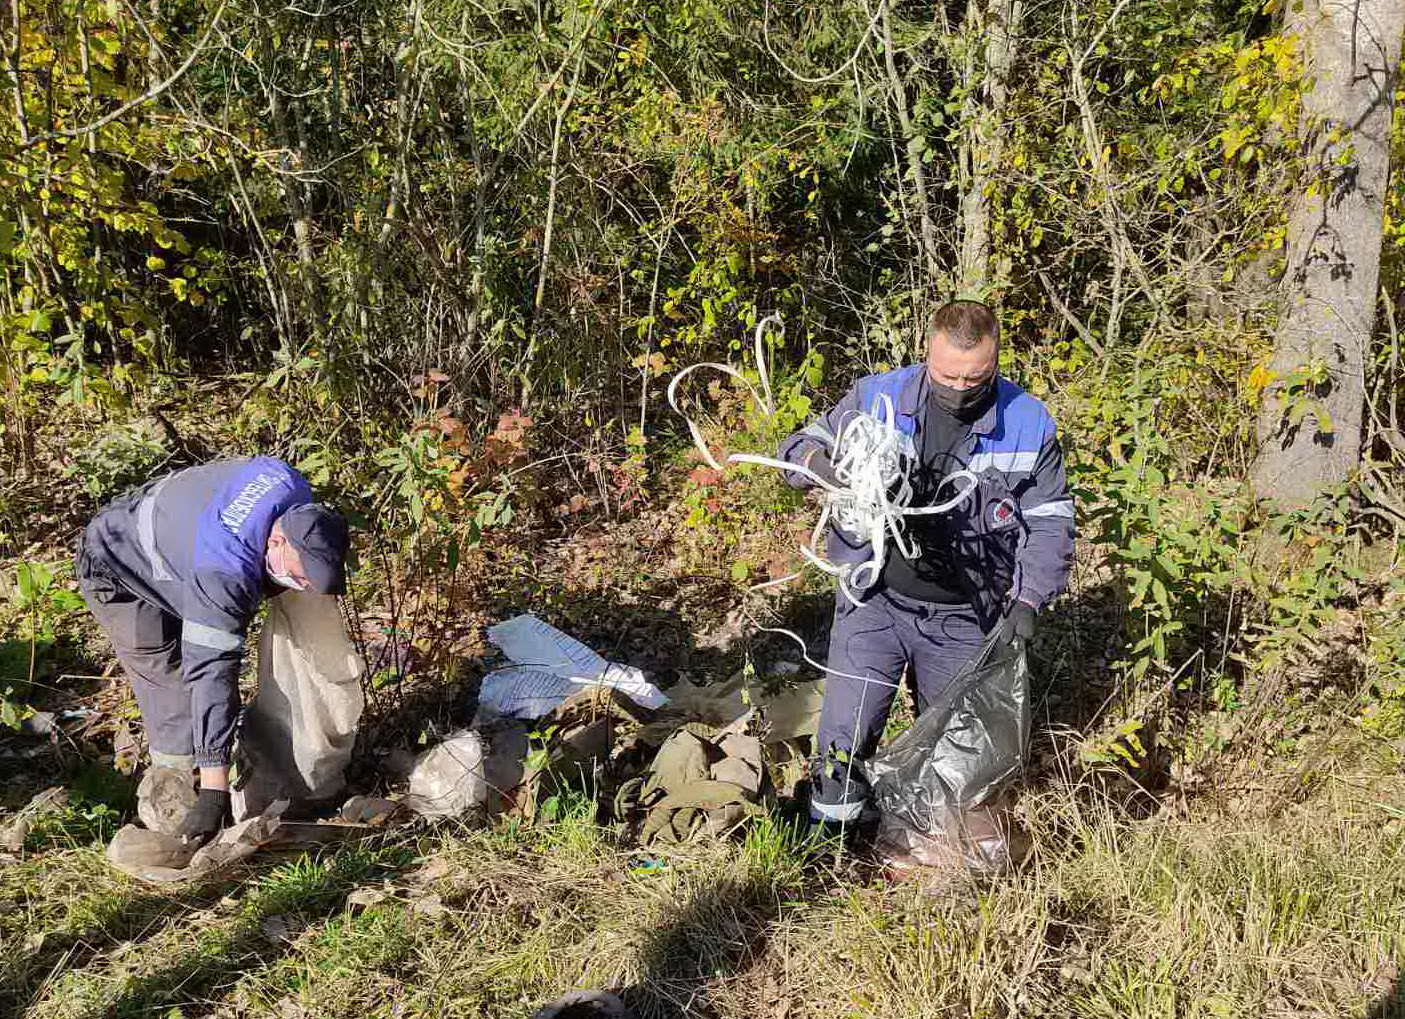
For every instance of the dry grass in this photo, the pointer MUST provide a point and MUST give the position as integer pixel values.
(1208, 914)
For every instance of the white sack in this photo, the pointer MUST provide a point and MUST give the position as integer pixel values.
(451, 778)
(300, 728)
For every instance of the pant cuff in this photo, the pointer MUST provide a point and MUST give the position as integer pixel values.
(181, 762)
(842, 813)
(212, 758)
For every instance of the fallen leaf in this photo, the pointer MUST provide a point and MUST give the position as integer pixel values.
(365, 898)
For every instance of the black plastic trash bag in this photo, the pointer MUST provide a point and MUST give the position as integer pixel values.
(947, 779)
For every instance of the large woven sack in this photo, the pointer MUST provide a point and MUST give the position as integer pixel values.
(300, 729)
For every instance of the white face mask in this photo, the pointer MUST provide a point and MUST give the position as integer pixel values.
(279, 577)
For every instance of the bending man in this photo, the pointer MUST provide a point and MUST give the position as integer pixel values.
(989, 564)
(174, 572)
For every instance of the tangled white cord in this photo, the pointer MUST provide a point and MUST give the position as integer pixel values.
(871, 461)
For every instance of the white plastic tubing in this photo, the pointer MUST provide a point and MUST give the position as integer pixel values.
(871, 461)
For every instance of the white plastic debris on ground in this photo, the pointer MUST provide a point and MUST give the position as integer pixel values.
(451, 778)
(549, 666)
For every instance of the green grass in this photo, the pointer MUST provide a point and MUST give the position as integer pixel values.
(1291, 912)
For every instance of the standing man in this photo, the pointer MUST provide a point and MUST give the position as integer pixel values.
(990, 564)
(174, 572)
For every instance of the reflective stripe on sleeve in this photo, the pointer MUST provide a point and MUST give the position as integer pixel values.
(207, 636)
(1007, 462)
(1058, 508)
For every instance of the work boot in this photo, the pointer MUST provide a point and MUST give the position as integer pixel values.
(827, 836)
(166, 793)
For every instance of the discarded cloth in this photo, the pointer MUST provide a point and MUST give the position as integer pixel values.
(549, 666)
(787, 714)
(588, 740)
(698, 785)
(300, 728)
(949, 777)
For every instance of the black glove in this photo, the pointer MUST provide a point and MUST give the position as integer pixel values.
(207, 817)
(819, 464)
(1018, 621)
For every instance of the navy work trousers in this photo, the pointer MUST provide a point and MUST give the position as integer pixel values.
(879, 640)
(148, 644)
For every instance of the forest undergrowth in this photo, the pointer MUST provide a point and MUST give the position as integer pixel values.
(444, 258)
(1216, 834)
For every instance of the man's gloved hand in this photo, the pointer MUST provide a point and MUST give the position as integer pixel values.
(207, 817)
(1018, 621)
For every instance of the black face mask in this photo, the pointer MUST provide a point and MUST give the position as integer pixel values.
(964, 404)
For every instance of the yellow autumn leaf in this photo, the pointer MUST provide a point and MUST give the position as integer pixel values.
(1259, 380)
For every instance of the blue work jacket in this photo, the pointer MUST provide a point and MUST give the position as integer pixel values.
(192, 543)
(1014, 535)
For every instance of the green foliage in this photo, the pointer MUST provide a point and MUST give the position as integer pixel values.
(79, 824)
(37, 602)
(97, 800)
(444, 258)
(730, 509)
(119, 457)
(1303, 593)
(12, 710)
(1384, 712)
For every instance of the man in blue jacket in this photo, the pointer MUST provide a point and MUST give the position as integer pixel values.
(989, 564)
(175, 571)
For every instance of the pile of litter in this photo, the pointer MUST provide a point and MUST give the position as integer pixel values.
(697, 762)
(663, 769)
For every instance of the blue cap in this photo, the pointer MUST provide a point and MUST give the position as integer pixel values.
(319, 533)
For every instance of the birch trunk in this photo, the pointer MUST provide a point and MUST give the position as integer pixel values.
(987, 136)
(1311, 423)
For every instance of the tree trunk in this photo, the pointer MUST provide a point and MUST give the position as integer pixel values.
(912, 148)
(986, 136)
(1311, 420)
(294, 198)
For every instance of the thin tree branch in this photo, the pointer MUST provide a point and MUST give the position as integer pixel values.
(1084, 333)
(152, 93)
